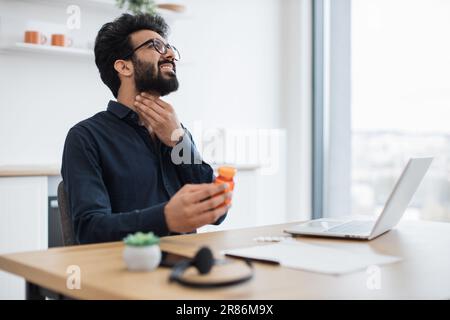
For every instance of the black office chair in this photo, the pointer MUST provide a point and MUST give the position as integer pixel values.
(68, 239)
(68, 235)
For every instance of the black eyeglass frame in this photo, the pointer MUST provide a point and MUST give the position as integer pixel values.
(166, 46)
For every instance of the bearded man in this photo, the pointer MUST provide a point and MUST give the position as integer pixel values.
(135, 167)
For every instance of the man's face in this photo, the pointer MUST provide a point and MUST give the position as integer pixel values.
(153, 72)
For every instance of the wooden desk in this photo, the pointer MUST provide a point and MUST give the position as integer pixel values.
(424, 273)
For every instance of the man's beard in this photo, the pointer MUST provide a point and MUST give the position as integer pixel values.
(146, 80)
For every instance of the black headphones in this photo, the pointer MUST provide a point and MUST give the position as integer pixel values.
(203, 261)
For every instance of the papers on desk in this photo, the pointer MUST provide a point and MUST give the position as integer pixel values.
(313, 258)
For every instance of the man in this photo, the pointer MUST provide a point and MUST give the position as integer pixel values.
(125, 169)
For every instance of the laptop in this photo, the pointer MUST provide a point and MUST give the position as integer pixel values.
(392, 212)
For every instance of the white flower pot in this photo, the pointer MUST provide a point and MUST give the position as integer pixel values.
(145, 258)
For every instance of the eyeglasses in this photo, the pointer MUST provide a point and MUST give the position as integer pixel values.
(158, 45)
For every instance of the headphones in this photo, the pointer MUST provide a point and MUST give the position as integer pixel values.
(204, 261)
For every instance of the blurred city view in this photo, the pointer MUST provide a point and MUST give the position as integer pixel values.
(378, 159)
(400, 108)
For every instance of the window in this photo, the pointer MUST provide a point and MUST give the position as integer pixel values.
(400, 103)
(397, 76)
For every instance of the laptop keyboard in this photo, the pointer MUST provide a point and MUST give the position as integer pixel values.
(353, 227)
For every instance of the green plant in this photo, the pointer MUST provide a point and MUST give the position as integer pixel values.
(140, 239)
(138, 6)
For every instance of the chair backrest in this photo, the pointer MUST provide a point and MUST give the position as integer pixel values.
(68, 234)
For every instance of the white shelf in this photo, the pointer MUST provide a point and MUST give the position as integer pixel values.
(47, 50)
(104, 4)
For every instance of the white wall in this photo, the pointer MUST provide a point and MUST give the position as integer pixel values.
(232, 74)
(230, 77)
(41, 97)
(238, 71)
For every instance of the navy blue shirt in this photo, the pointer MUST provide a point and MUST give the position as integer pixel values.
(118, 179)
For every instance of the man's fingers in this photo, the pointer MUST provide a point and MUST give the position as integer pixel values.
(163, 104)
(158, 101)
(207, 190)
(148, 112)
(157, 117)
(187, 187)
(149, 96)
(210, 217)
(146, 118)
(213, 202)
(191, 187)
(151, 104)
(197, 186)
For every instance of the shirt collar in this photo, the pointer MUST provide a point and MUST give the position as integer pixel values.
(123, 112)
(118, 109)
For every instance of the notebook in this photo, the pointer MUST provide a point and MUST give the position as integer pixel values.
(312, 258)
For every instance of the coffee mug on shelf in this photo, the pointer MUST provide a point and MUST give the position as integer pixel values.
(61, 40)
(34, 37)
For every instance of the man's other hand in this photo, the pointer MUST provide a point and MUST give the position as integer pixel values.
(196, 205)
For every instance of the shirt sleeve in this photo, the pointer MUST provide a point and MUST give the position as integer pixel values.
(190, 165)
(88, 198)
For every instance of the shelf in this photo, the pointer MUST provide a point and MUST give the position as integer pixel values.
(28, 48)
(46, 49)
(106, 5)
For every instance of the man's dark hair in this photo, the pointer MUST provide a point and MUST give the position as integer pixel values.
(113, 43)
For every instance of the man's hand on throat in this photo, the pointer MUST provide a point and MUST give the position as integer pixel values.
(159, 118)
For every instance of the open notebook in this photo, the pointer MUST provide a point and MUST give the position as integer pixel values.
(313, 258)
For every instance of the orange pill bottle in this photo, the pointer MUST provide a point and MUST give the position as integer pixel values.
(226, 175)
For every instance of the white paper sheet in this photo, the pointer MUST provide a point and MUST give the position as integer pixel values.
(313, 258)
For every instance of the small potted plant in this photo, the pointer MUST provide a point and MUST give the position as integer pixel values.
(142, 252)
